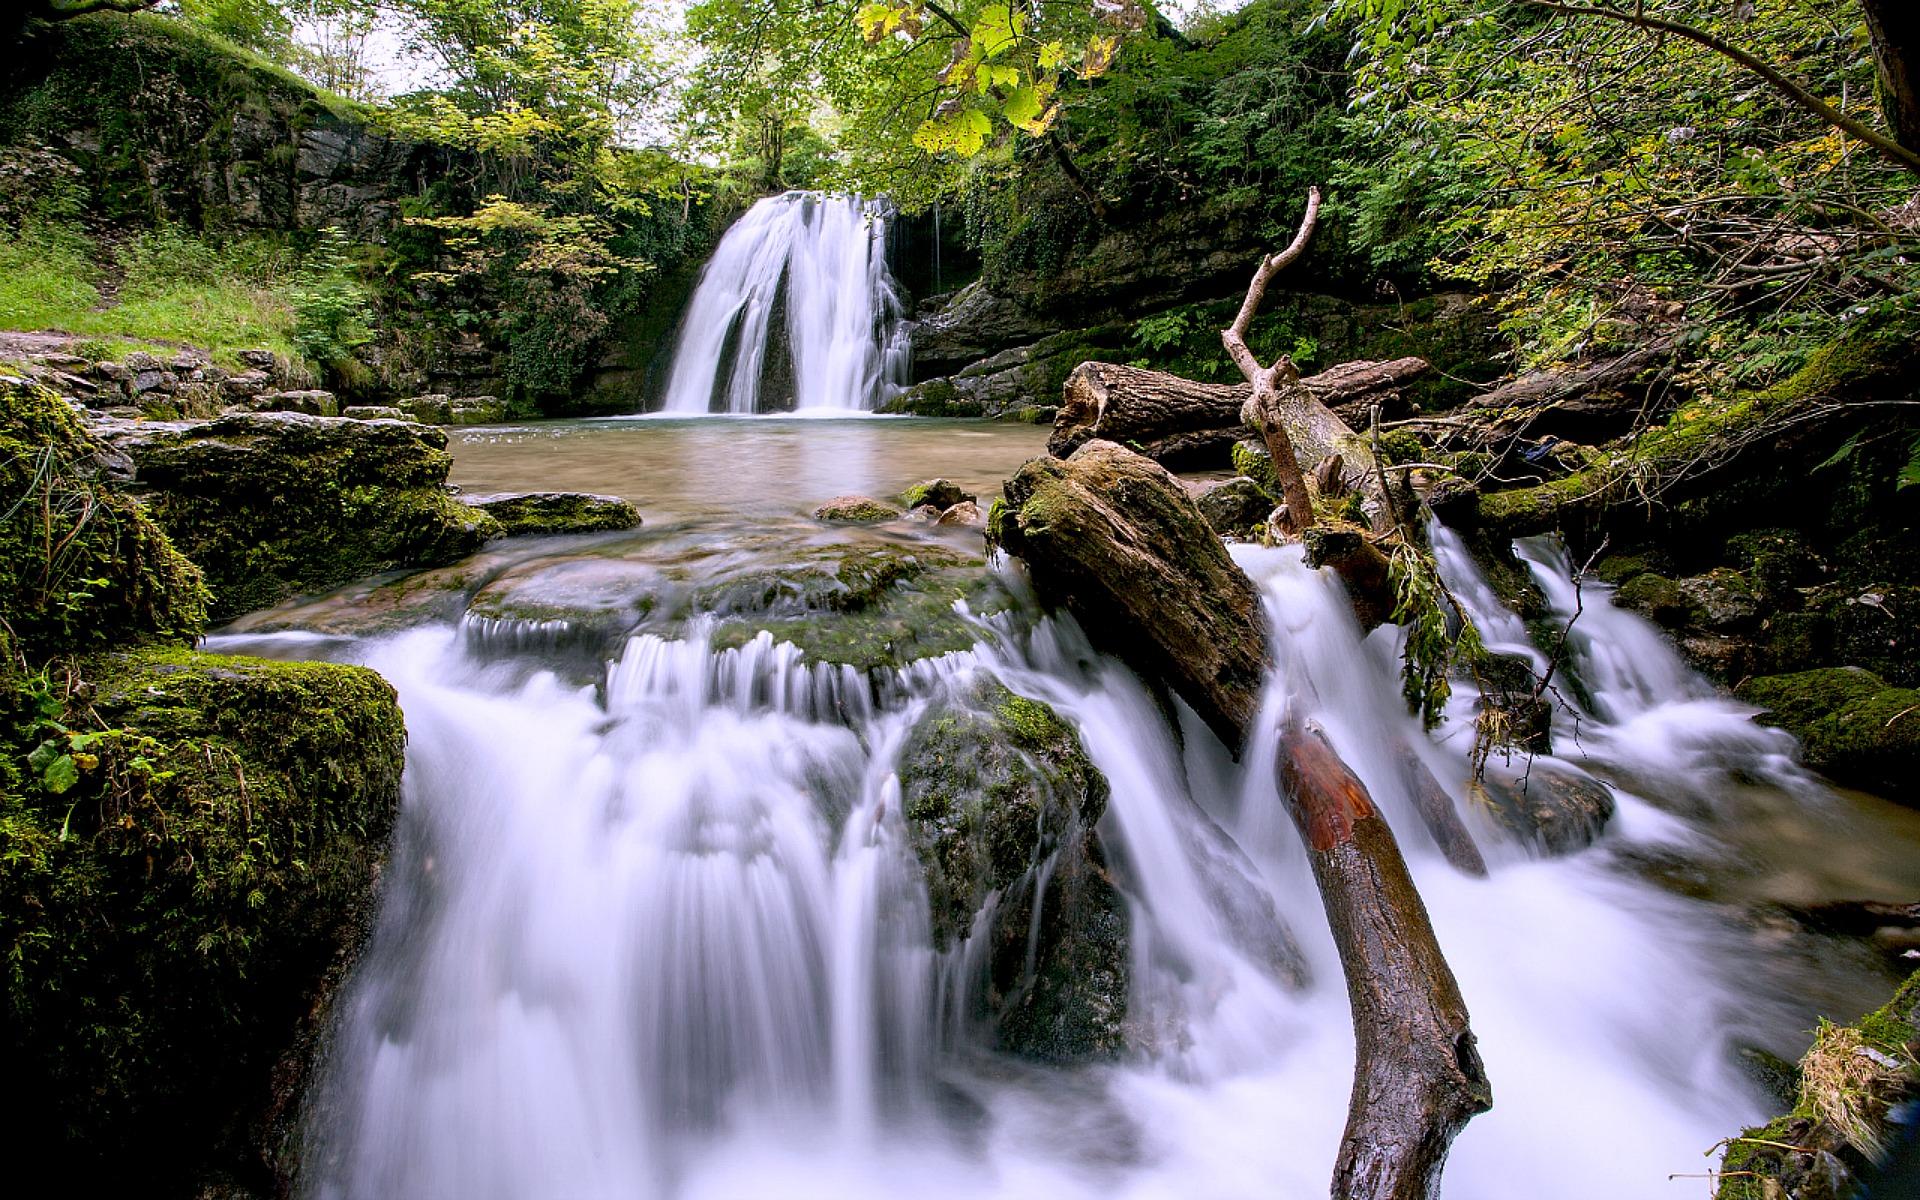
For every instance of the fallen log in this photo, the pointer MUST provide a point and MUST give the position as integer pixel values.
(1115, 539)
(1417, 1076)
(1178, 422)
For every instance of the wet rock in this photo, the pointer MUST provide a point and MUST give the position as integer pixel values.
(1555, 808)
(373, 412)
(1001, 800)
(966, 514)
(1722, 600)
(863, 510)
(271, 505)
(1852, 725)
(1656, 598)
(555, 512)
(311, 401)
(940, 493)
(1235, 506)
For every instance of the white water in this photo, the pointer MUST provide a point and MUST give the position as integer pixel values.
(826, 257)
(664, 939)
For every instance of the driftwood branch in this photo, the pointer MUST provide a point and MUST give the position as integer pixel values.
(1270, 384)
(1114, 538)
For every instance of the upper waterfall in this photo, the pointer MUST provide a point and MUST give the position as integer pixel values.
(823, 259)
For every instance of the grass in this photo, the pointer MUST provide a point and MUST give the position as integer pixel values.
(172, 288)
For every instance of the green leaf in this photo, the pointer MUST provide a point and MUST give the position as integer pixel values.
(60, 775)
(996, 29)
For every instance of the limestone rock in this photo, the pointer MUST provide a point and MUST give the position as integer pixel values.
(555, 512)
(373, 412)
(864, 510)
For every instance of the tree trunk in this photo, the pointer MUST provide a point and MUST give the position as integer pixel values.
(1893, 27)
(1116, 539)
(1417, 1076)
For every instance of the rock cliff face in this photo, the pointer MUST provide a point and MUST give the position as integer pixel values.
(166, 125)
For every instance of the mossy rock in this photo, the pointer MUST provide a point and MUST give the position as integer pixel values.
(84, 565)
(856, 510)
(274, 505)
(523, 514)
(1804, 1155)
(1852, 725)
(934, 398)
(875, 610)
(1657, 598)
(179, 899)
(1002, 800)
(940, 493)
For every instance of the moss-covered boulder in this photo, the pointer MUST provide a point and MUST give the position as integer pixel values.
(1235, 506)
(522, 513)
(855, 510)
(942, 494)
(81, 565)
(188, 845)
(1002, 801)
(272, 505)
(1852, 725)
(1656, 598)
(1849, 1083)
(874, 608)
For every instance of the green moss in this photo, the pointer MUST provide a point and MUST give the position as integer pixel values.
(1655, 597)
(941, 493)
(170, 916)
(999, 792)
(1775, 1159)
(934, 398)
(81, 565)
(1255, 463)
(856, 510)
(538, 513)
(1850, 723)
(275, 505)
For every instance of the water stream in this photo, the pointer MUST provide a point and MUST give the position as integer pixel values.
(653, 927)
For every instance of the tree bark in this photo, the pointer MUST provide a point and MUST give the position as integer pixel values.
(1417, 1075)
(1893, 28)
(1176, 421)
(1114, 538)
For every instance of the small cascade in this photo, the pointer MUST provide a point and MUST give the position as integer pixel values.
(821, 260)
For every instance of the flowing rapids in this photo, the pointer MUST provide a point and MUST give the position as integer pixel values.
(822, 261)
(657, 930)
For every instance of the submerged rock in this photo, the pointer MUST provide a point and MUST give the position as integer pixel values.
(181, 890)
(271, 505)
(1002, 801)
(1555, 808)
(555, 512)
(966, 514)
(862, 510)
(1852, 725)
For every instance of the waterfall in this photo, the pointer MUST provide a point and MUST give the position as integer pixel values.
(664, 937)
(822, 259)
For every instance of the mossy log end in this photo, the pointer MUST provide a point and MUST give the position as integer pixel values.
(1114, 538)
(1873, 363)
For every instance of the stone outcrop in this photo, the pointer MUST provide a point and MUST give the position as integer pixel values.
(272, 505)
(1002, 802)
(555, 512)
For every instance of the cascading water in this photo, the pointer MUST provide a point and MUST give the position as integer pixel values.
(664, 936)
(823, 260)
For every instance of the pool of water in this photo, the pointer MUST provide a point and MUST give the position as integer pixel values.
(719, 467)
